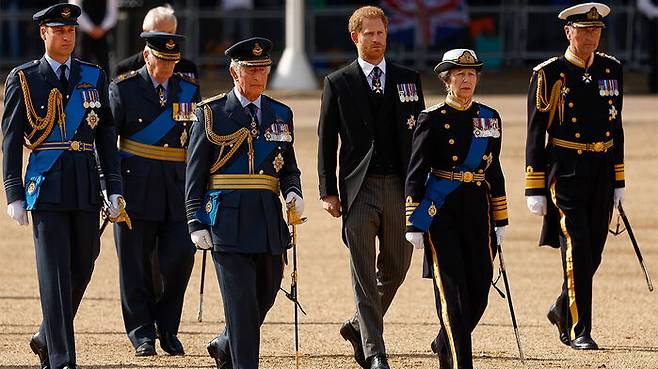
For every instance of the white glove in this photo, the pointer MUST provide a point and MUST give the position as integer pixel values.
(201, 239)
(115, 208)
(299, 202)
(619, 197)
(416, 239)
(537, 204)
(500, 234)
(17, 212)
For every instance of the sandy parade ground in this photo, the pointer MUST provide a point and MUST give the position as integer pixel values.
(625, 313)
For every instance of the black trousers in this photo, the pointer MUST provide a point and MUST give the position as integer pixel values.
(249, 284)
(461, 244)
(583, 198)
(155, 264)
(67, 245)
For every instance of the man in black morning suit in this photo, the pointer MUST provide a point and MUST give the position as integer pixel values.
(58, 108)
(153, 108)
(241, 160)
(371, 105)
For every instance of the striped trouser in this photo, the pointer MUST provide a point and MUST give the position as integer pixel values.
(377, 212)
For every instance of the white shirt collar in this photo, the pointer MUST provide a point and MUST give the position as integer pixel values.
(54, 64)
(244, 101)
(367, 67)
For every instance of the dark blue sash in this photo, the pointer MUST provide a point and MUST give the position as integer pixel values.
(262, 150)
(437, 189)
(164, 122)
(41, 161)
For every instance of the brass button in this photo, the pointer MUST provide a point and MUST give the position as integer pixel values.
(610, 102)
(455, 158)
(467, 177)
(577, 135)
(610, 119)
(607, 70)
(561, 74)
(607, 134)
(166, 145)
(139, 120)
(478, 183)
(451, 141)
(480, 171)
(443, 111)
(571, 105)
(574, 120)
(485, 157)
(580, 152)
(447, 126)
(260, 172)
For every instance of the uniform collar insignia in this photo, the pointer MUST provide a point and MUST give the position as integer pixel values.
(577, 61)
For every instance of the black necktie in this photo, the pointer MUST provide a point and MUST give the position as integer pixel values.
(376, 82)
(62, 77)
(253, 110)
(161, 95)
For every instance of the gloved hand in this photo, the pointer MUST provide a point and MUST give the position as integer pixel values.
(500, 234)
(17, 212)
(201, 239)
(115, 206)
(416, 239)
(619, 197)
(537, 204)
(299, 202)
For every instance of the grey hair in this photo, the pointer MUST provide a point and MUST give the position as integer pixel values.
(236, 65)
(157, 15)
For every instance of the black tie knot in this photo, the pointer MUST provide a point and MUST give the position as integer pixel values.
(62, 77)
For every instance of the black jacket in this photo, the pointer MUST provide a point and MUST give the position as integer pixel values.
(154, 189)
(345, 113)
(72, 183)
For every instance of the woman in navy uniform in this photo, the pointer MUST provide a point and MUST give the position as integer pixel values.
(575, 177)
(153, 108)
(58, 108)
(456, 203)
(240, 160)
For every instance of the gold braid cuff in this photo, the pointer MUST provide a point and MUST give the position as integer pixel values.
(555, 99)
(55, 108)
(233, 141)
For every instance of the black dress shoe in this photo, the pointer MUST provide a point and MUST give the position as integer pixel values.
(378, 361)
(349, 333)
(436, 348)
(584, 343)
(171, 344)
(145, 349)
(561, 325)
(222, 357)
(38, 346)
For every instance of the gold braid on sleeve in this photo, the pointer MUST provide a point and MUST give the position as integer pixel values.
(45, 124)
(555, 100)
(233, 141)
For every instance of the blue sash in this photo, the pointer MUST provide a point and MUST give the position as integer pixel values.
(164, 122)
(262, 150)
(41, 161)
(437, 189)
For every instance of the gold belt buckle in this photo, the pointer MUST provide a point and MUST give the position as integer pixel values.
(75, 146)
(467, 177)
(598, 147)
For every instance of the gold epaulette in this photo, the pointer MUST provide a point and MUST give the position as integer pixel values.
(88, 63)
(608, 56)
(499, 207)
(534, 180)
(211, 99)
(544, 63)
(410, 207)
(434, 107)
(125, 76)
(187, 78)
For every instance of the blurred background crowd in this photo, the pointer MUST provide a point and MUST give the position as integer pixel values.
(507, 34)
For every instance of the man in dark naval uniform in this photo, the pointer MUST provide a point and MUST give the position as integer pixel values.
(576, 176)
(240, 159)
(57, 107)
(158, 19)
(152, 108)
(372, 106)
